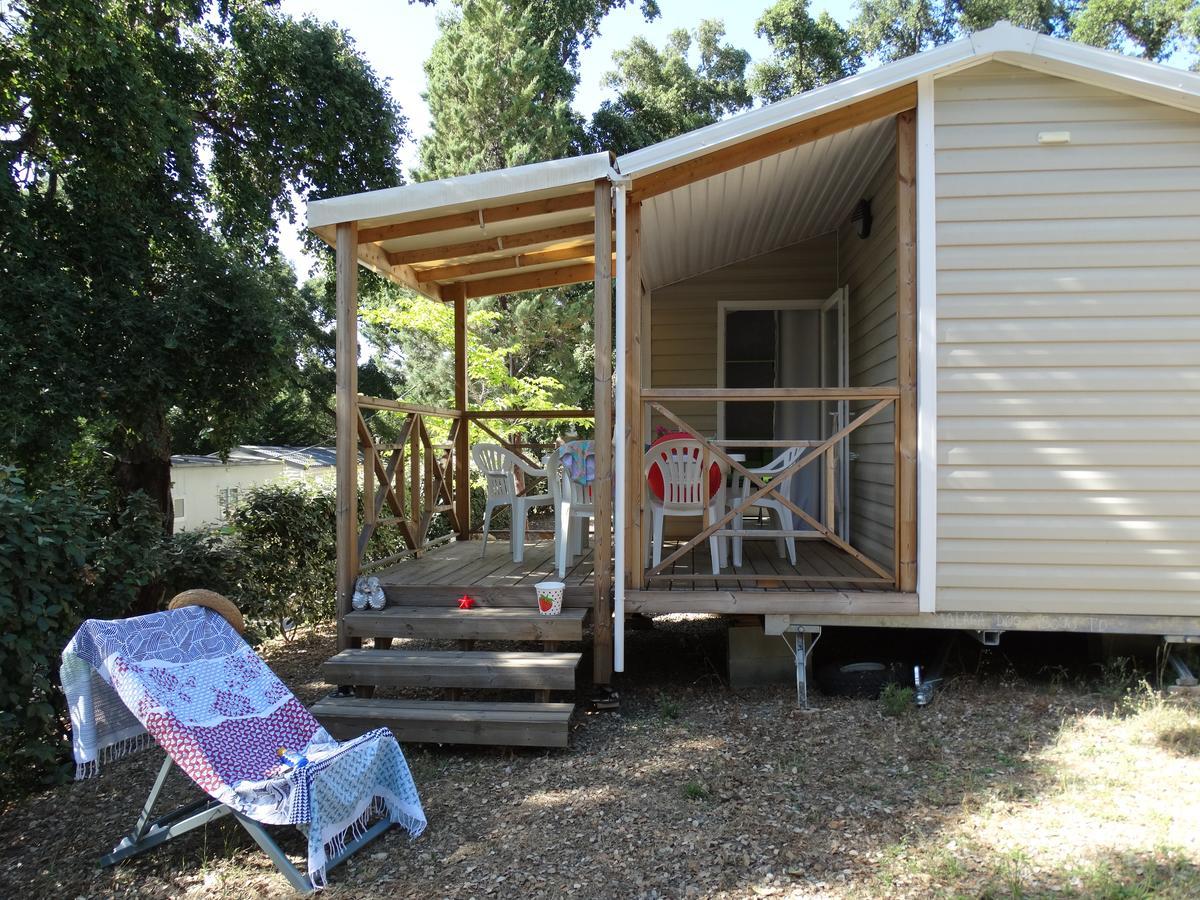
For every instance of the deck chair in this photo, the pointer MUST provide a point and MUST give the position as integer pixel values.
(186, 680)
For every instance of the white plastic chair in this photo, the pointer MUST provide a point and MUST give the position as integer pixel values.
(685, 474)
(573, 503)
(784, 517)
(499, 469)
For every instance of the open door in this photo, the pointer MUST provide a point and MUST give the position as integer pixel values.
(835, 373)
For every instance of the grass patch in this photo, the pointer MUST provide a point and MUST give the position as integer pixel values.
(896, 700)
(668, 709)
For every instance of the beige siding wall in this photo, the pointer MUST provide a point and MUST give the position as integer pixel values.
(683, 316)
(868, 268)
(1068, 349)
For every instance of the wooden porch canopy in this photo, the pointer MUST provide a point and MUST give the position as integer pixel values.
(480, 235)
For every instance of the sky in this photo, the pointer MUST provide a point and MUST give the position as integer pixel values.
(396, 38)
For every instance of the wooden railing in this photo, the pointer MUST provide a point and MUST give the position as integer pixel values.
(772, 487)
(411, 478)
(411, 474)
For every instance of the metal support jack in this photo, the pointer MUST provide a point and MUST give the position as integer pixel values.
(801, 652)
(147, 835)
(1184, 678)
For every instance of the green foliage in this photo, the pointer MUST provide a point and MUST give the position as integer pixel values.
(498, 94)
(519, 354)
(896, 700)
(805, 52)
(893, 29)
(147, 151)
(668, 708)
(286, 554)
(64, 557)
(661, 93)
(1154, 29)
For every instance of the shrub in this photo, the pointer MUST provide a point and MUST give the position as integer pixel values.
(64, 557)
(286, 554)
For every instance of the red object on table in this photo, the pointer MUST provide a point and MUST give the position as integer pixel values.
(654, 477)
(465, 602)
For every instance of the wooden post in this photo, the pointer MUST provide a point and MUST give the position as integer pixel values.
(906, 348)
(414, 483)
(831, 489)
(634, 542)
(346, 402)
(603, 486)
(462, 439)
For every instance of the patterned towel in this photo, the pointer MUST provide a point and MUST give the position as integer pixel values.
(579, 460)
(186, 679)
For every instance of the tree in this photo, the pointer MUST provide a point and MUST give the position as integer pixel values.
(661, 93)
(497, 95)
(1154, 29)
(893, 29)
(148, 150)
(501, 78)
(805, 52)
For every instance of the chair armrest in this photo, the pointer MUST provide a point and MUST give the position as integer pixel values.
(528, 468)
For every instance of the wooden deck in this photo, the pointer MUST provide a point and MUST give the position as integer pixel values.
(463, 563)
(819, 567)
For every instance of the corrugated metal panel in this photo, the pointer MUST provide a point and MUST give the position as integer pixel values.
(1068, 349)
(760, 207)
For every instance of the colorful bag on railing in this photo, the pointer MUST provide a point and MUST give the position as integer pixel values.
(579, 461)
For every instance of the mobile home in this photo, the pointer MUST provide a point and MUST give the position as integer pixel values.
(951, 305)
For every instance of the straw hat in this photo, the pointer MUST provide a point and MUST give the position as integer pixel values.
(213, 601)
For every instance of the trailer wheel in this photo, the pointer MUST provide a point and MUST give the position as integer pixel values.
(858, 678)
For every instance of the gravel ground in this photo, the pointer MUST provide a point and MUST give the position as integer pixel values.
(1003, 787)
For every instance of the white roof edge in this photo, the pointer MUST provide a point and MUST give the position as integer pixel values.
(1003, 41)
(464, 191)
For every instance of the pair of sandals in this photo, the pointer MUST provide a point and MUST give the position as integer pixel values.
(368, 594)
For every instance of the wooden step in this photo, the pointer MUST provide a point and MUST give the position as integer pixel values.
(575, 595)
(484, 623)
(454, 668)
(448, 722)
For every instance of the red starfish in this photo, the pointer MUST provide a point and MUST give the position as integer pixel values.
(465, 602)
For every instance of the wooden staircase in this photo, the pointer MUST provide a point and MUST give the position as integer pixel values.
(457, 718)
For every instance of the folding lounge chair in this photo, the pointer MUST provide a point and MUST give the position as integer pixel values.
(187, 680)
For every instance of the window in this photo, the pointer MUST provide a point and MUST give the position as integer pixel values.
(177, 507)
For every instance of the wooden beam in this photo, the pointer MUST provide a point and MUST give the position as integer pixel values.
(376, 260)
(529, 281)
(774, 602)
(771, 143)
(346, 405)
(833, 393)
(906, 350)
(516, 261)
(498, 244)
(555, 414)
(462, 439)
(602, 489)
(437, 412)
(476, 217)
(634, 542)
